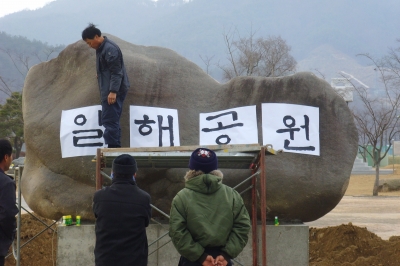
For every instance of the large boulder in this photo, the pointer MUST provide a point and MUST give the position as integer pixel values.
(299, 187)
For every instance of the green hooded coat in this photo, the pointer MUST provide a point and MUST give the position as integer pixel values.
(207, 213)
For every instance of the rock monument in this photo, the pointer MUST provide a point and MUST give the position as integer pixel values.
(299, 187)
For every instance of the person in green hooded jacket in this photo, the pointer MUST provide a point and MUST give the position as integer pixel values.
(209, 223)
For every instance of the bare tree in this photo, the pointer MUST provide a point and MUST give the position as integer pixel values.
(378, 119)
(320, 73)
(11, 120)
(207, 61)
(5, 87)
(251, 56)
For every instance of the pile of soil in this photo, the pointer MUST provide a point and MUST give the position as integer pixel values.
(344, 245)
(42, 250)
(349, 245)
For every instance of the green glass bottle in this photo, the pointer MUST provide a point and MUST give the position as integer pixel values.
(276, 222)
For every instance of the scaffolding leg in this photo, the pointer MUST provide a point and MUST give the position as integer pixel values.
(254, 168)
(19, 219)
(99, 178)
(254, 217)
(263, 207)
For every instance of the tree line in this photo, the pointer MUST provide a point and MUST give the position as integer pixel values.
(18, 55)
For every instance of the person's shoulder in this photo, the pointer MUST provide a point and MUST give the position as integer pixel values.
(100, 192)
(230, 190)
(5, 179)
(182, 194)
(142, 192)
(110, 44)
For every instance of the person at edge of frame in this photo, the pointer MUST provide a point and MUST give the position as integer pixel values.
(209, 223)
(113, 82)
(122, 213)
(8, 208)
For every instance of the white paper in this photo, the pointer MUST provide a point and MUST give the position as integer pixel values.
(232, 126)
(291, 127)
(80, 131)
(153, 127)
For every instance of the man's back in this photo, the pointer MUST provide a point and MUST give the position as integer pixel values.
(208, 214)
(123, 212)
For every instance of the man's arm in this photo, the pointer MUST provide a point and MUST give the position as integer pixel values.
(114, 63)
(239, 235)
(181, 237)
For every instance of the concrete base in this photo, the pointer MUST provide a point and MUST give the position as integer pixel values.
(286, 245)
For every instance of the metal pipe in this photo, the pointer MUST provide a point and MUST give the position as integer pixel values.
(160, 211)
(27, 242)
(99, 179)
(254, 219)
(159, 247)
(37, 218)
(247, 189)
(263, 207)
(19, 219)
(244, 181)
(158, 238)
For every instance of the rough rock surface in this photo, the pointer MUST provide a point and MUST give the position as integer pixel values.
(299, 187)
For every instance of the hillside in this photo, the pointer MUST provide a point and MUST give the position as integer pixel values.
(17, 55)
(195, 27)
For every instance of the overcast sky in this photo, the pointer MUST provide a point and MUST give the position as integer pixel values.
(11, 6)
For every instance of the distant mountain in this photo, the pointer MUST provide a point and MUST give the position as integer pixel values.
(17, 55)
(327, 63)
(193, 28)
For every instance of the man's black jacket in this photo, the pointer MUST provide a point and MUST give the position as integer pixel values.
(8, 210)
(122, 213)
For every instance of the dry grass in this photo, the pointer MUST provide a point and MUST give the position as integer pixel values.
(362, 185)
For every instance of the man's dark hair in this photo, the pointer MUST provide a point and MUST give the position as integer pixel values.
(90, 32)
(5, 148)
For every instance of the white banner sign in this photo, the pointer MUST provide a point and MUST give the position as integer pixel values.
(232, 126)
(291, 127)
(153, 127)
(81, 132)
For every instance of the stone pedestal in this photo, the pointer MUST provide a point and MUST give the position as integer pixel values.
(286, 245)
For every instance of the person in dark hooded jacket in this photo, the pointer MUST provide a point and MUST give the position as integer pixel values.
(122, 213)
(209, 224)
(8, 208)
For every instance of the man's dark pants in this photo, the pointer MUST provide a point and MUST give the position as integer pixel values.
(111, 115)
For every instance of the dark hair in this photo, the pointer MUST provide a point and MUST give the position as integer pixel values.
(5, 148)
(90, 32)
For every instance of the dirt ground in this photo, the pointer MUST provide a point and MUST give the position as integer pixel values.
(42, 250)
(344, 244)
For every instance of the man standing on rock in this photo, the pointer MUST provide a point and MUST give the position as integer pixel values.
(122, 213)
(209, 224)
(8, 208)
(113, 82)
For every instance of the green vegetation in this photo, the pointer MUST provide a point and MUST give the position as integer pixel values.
(17, 55)
(12, 122)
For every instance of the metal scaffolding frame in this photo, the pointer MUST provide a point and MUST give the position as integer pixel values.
(16, 245)
(247, 156)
